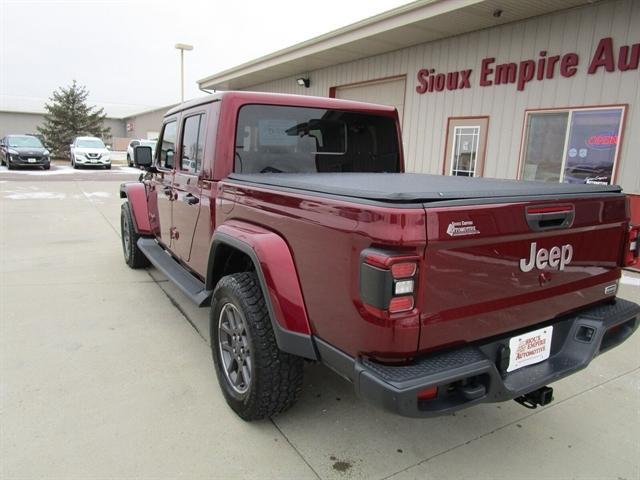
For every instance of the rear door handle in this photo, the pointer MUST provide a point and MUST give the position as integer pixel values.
(190, 199)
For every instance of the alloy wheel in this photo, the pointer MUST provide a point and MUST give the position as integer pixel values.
(233, 343)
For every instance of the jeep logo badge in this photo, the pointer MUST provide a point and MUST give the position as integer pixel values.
(557, 258)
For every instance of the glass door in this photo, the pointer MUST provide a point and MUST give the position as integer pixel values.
(466, 146)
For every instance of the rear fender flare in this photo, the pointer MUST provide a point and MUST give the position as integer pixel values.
(136, 194)
(278, 279)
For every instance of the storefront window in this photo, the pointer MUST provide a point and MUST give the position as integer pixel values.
(592, 146)
(546, 134)
(572, 146)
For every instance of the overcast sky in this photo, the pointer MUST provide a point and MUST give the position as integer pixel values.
(123, 51)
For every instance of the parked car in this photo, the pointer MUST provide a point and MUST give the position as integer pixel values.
(292, 218)
(89, 151)
(24, 151)
(134, 143)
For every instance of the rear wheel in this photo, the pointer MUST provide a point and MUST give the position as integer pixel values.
(257, 379)
(132, 254)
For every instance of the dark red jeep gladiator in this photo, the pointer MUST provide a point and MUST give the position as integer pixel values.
(292, 218)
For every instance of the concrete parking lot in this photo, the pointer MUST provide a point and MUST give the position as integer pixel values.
(106, 373)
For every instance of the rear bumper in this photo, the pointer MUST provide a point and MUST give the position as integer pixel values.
(473, 374)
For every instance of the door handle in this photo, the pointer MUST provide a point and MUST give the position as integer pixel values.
(191, 200)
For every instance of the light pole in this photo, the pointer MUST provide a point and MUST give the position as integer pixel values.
(182, 47)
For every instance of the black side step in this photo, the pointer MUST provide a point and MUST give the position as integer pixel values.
(190, 285)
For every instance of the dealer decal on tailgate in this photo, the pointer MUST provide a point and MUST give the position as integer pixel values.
(530, 348)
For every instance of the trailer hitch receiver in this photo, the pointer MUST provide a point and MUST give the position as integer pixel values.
(543, 396)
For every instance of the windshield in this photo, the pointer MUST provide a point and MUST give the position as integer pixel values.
(89, 143)
(25, 141)
(273, 139)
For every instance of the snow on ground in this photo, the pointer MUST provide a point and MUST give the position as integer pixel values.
(65, 170)
(33, 193)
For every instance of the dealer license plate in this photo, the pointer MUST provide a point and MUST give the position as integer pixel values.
(529, 348)
(31, 160)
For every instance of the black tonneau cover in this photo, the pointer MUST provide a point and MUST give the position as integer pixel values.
(415, 187)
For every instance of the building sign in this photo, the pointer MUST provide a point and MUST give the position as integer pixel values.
(604, 57)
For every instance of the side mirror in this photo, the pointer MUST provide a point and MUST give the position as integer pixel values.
(169, 159)
(142, 156)
(108, 147)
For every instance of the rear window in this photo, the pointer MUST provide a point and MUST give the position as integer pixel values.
(274, 139)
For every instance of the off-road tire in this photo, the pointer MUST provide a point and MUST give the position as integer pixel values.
(276, 377)
(133, 256)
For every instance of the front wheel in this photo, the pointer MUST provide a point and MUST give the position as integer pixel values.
(107, 167)
(257, 379)
(129, 160)
(132, 253)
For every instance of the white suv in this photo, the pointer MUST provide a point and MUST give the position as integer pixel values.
(145, 143)
(89, 151)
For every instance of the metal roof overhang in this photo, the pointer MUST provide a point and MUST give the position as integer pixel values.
(418, 22)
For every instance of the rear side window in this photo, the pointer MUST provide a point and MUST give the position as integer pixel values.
(193, 143)
(274, 139)
(168, 145)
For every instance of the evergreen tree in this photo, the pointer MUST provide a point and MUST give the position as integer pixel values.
(68, 116)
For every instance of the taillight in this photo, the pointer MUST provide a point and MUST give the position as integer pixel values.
(403, 270)
(401, 304)
(632, 246)
(388, 281)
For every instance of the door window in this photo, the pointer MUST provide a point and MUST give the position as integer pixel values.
(168, 145)
(572, 146)
(465, 151)
(193, 143)
(466, 145)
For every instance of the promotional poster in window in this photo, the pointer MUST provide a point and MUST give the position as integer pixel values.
(593, 142)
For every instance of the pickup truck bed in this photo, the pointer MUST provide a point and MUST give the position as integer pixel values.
(416, 188)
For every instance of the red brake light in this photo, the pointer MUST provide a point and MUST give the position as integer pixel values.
(400, 304)
(632, 248)
(549, 209)
(403, 270)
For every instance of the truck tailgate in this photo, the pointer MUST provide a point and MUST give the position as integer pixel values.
(500, 267)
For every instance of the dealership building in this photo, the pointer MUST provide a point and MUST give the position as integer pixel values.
(539, 90)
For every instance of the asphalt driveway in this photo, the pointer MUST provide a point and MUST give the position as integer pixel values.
(106, 373)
